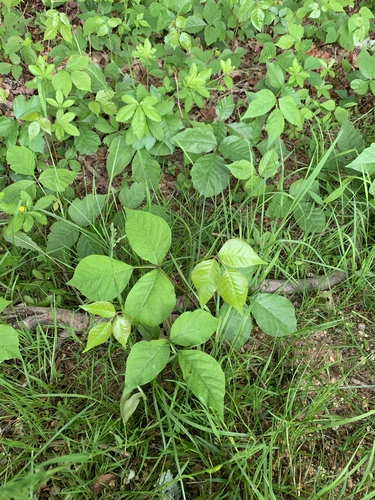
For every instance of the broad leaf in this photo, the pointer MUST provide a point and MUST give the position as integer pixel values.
(87, 142)
(206, 277)
(129, 405)
(57, 179)
(225, 107)
(290, 111)
(365, 162)
(132, 197)
(21, 160)
(145, 361)
(235, 326)
(146, 170)
(193, 328)
(98, 335)
(263, 102)
(149, 235)
(274, 314)
(275, 125)
(9, 343)
(210, 175)
(269, 164)
(233, 288)
(99, 277)
(235, 148)
(101, 308)
(242, 169)
(195, 140)
(309, 218)
(119, 156)
(238, 253)
(204, 377)
(84, 212)
(151, 300)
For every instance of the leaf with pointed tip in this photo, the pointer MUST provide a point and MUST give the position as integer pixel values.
(204, 377)
(193, 328)
(206, 278)
(233, 288)
(238, 253)
(274, 314)
(98, 335)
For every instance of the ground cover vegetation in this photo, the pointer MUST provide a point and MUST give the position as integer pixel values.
(187, 255)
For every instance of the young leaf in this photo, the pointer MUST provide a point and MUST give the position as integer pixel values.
(195, 140)
(263, 102)
(149, 235)
(242, 169)
(145, 361)
(204, 377)
(9, 343)
(151, 300)
(99, 277)
(275, 125)
(238, 253)
(206, 277)
(274, 314)
(193, 328)
(98, 335)
(269, 164)
(210, 175)
(233, 288)
(121, 330)
(101, 308)
(129, 405)
(225, 107)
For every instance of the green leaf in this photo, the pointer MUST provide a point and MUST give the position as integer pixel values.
(9, 343)
(85, 212)
(350, 138)
(99, 277)
(235, 148)
(129, 405)
(21, 160)
(274, 314)
(195, 140)
(121, 330)
(193, 328)
(139, 123)
(242, 169)
(365, 162)
(263, 102)
(132, 197)
(57, 179)
(290, 111)
(119, 156)
(275, 74)
(238, 253)
(151, 300)
(88, 141)
(225, 107)
(22, 240)
(62, 236)
(309, 219)
(4, 304)
(145, 361)
(269, 164)
(27, 110)
(210, 175)
(233, 288)
(257, 17)
(149, 235)
(275, 125)
(366, 64)
(146, 170)
(204, 377)
(81, 80)
(235, 326)
(98, 335)
(77, 62)
(101, 308)
(206, 278)
(62, 81)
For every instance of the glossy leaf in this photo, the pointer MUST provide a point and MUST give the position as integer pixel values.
(206, 277)
(195, 140)
(98, 335)
(121, 330)
(101, 308)
(238, 253)
(233, 288)
(263, 102)
(210, 175)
